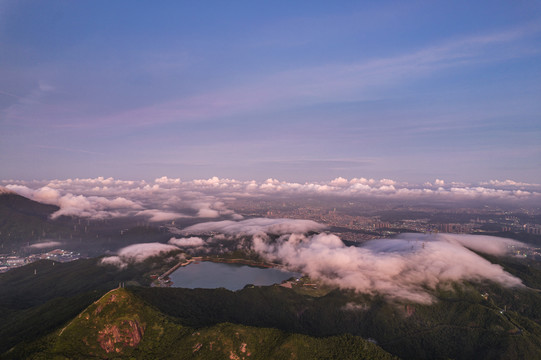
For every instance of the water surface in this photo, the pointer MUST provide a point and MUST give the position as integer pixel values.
(210, 275)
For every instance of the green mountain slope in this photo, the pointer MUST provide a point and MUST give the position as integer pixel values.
(121, 326)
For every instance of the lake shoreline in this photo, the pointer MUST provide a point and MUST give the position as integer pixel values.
(219, 272)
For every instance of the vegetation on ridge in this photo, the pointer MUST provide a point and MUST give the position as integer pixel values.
(120, 325)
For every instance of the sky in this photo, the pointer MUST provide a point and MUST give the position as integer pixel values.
(296, 91)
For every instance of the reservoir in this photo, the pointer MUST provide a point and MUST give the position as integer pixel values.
(210, 275)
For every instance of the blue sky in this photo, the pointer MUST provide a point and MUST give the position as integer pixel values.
(299, 91)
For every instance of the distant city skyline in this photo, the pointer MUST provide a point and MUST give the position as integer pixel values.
(294, 91)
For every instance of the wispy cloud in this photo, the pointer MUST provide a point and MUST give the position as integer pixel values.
(327, 82)
(4, 93)
(45, 244)
(302, 86)
(69, 149)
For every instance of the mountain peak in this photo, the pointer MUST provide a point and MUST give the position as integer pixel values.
(115, 323)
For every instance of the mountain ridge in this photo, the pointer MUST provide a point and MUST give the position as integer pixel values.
(122, 325)
(23, 219)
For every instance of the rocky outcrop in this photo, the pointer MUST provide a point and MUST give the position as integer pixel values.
(116, 337)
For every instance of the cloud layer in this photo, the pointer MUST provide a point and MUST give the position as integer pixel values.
(137, 253)
(187, 242)
(166, 199)
(256, 226)
(400, 268)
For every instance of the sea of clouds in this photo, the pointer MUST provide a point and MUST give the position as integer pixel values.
(166, 199)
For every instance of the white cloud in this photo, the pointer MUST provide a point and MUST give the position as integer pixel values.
(138, 253)
(166, 180)
(187, 242)
(400, 268)
(387, 182)
(510, 184)
(339, 181)
(44, 194)
(158, 215)
(115, 261)
(256, 226)
(4, 190)
(481, 243)
(46, 244)
(204, 210)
